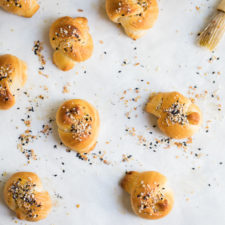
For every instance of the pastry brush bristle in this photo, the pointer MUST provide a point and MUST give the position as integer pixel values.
(213, 33)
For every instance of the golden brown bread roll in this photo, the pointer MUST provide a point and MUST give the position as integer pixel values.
(71, 40)
(13, 75)
(25, 8)
(150, 197)
(78, 125)
(136, 16)
(177, 116)
(24, 194)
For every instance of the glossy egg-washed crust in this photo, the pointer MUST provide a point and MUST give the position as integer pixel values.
(13, 75)
(150, 196)
(24, 194)
(25, 8)
(71, 40)
(136, 16)
(177, 116)
(78, 125)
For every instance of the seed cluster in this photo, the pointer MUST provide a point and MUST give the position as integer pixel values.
(4, 93)
(125, 6)
(67, 31)
(24, 196)
(16, 3)
(5, 72)
(80, 123)
(31, 135)
(91, 158)
(151, 200)
(143, 3)
(37, 49)
(24, 140)
(176, 114)
(70, 32)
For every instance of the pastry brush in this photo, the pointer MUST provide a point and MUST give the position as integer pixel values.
(213, 33)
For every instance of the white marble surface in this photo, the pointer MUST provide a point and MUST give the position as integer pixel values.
(169, 60)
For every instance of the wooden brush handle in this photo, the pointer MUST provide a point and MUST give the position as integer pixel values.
(221, 6)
